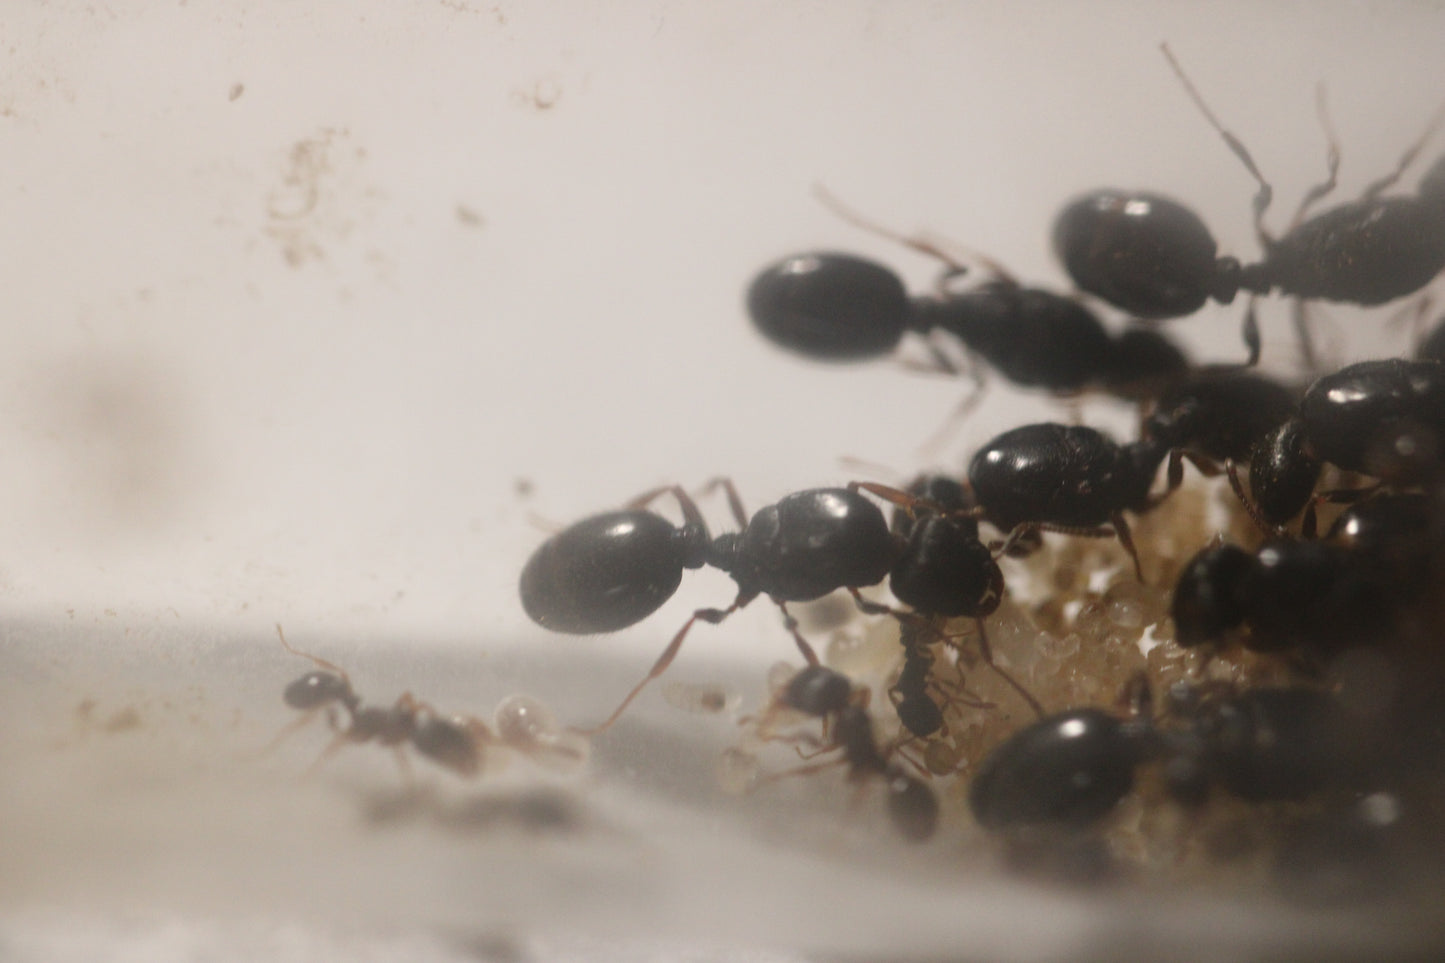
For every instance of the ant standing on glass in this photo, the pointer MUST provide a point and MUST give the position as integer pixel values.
(457, 743)
(826, 694)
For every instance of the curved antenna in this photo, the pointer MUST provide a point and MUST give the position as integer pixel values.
(1265, 193)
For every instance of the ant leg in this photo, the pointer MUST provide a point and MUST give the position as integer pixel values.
(337, 741)
(986, 650)
(690, 512)
(1308, 359)
(953, 267)
(791, 624)
(1126, 538)
(1249, 330)
(1019, 532)
(1265, 193)
(1177, 457)
(712, 616)
(1250, 508)
(735, 501)
(938, 363)
(960, 413)
(1320, 190)
(286, 732)
(896, 496)
(1408, 158)
(801, 770)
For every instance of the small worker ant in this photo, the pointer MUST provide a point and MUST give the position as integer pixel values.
(457, 743)
(612, 570)
(826, 694)
(1155, 258)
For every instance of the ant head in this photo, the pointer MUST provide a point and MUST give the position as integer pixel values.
(316, 689)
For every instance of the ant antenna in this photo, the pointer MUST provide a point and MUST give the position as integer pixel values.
(1266, 193)
(306, 655)
(924, 246)
(1408, 158)
(1333, 158)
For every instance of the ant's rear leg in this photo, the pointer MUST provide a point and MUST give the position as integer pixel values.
(712, 616)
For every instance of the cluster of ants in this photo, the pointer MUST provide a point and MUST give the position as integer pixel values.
(1362, 443)
(1365, 438)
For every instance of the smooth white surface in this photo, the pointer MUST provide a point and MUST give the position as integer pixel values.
(258, 363)
(297, 294)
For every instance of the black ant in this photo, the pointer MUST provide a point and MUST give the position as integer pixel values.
(457, 743)
(830, 696)
(1265, 744)
(1155, 258)
(832, 306)
(1220, 413)
(612, 570)
(1316, 596)
(1347, 419)
(1066, 770)
(1071, 769)
(1064, 478)
(946, 572)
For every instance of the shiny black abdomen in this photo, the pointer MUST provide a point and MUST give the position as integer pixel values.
(830, 306)
(1144, 253)
(1066, 475)
(603, 573)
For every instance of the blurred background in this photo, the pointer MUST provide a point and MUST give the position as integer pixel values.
(322, 314)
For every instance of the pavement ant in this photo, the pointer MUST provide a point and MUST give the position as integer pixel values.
(1155, 258)
(830, 696)
(457, 743)
(838, 307)
(612, 570)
